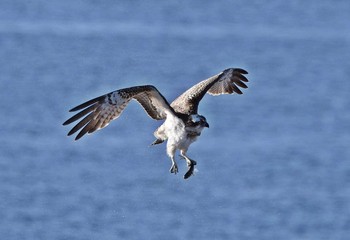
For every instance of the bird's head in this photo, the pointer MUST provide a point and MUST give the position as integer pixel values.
(196, 120)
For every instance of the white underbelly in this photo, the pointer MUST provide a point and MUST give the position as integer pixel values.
(176, 133)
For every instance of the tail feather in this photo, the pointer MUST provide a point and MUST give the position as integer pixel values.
(157, 141)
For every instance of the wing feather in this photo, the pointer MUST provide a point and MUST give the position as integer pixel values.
(81, 114)
(88, 103)
(82, 123)
(226, 82)
(87, 127)
(97, 113)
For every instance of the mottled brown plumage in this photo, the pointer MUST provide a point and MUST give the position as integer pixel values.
(222, 83)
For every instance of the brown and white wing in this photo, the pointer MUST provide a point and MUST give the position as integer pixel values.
(97, 113)
(226, 82)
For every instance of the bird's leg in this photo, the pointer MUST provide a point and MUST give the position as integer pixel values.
(173, 168)
(190, 164)
(189, 161)
(171, 152)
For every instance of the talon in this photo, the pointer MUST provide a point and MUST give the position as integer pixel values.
(174, 168)
(191, 163)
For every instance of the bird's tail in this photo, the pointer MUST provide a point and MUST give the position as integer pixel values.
(157, 141)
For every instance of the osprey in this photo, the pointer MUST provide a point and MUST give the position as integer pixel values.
(182, 125)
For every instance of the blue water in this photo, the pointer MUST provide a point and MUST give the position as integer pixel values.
(275, 163)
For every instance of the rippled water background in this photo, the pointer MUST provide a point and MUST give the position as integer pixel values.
(275, 163)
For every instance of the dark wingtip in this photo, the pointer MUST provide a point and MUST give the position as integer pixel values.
(243, 78)
(77, 137)
(69, 121)
(88, 103)
(236, 89)
(80, 134)
(75, 109)
(241, 84)
(71, 132)
(240, 70)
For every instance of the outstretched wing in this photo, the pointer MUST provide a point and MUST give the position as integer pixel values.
(226, 82)
(102, 110)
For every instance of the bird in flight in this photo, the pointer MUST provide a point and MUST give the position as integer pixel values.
(182, 125)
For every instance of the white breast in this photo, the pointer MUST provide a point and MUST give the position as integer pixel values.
(178, 135)
(174, 128)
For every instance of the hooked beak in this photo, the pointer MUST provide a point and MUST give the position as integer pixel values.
(206, 125)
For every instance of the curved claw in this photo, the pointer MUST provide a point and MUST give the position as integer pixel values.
(174, 169)
(192, 163)
(188, 161)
